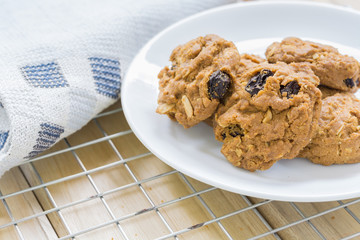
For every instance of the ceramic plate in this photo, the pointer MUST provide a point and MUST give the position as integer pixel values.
(195, 152)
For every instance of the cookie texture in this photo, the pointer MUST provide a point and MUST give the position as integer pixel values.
(333, 69)
(199, 78)
(249, 60)
(272, 114)
(327, 92)
(337, 139)
(246, 61)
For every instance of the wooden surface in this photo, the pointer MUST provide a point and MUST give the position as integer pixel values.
(116, 188)
(129, 184)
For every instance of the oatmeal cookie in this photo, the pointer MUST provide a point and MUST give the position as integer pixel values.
(199, 78)
(327, 92)
(249, 60)
(272, 114)
(333, 69)
(337, 139)
(246, 61)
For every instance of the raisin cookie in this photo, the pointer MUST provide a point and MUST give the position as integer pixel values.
(199, 78)
(333, 69)
(337, 140)
(272, 114)
(327, 92)
(249, 60)
(246, 61)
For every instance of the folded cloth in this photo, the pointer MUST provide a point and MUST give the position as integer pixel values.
(61, 63)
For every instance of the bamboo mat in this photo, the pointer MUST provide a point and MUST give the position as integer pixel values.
(102, 183)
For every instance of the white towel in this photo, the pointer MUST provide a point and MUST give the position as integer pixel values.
(61, 63)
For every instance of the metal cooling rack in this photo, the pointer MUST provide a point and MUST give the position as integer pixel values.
(272, 231)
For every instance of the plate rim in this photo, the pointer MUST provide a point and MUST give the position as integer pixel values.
(267, 195)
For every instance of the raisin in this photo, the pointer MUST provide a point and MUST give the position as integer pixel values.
(218, 85)
(233, 131)
(358, 82)
(292, 88)
(234, 134)
(257, 82)
(349, 83)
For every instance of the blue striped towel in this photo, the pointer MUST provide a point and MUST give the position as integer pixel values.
(62, 61)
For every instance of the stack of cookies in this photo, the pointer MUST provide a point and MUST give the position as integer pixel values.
(298, 102)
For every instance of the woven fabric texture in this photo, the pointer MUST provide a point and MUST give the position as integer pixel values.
(62, 62)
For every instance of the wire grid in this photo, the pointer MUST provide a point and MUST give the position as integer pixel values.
(184, 232)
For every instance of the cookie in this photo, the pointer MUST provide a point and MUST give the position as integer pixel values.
(333, 69)
(249, 60)
(246, 61)
(272, 114)
(327, 92)
(337, 139)
(199, 79)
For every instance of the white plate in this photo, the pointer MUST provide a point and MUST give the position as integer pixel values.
(194, 151)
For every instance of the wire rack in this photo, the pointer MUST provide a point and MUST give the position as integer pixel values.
(102, 183)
